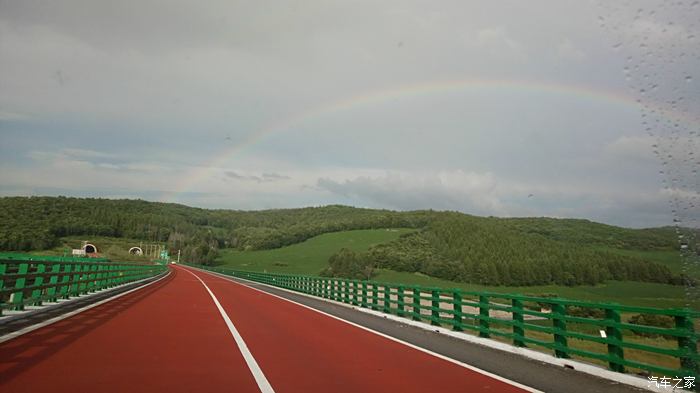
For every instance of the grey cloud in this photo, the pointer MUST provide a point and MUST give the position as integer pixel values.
(484, 194)
(263, 178)
(452, 191)
(274, 177)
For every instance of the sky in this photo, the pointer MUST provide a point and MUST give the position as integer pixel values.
(563, 108)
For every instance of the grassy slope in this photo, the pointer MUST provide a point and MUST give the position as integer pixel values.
(309, 257)
(670, 258)
(623, 292)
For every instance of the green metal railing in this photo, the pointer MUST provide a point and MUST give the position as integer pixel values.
(26, 281)
(596, 332)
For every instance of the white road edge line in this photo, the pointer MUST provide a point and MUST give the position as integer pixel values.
(596, 371)
(437, 355)
(10, 336)
(258, 374)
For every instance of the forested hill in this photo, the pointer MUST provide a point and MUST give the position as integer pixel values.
(36, 223)
(503, 252)
(446, 244)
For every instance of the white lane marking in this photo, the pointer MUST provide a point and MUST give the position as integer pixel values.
(258, 374)
(28, 329)
(429, 352)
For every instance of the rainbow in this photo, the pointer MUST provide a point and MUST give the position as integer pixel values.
(191, 179)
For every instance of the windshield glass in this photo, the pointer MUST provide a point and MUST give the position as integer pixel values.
(538, 148)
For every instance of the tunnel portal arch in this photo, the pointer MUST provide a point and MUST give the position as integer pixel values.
(90, 248)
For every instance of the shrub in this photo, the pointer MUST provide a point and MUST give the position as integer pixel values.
(660, 321)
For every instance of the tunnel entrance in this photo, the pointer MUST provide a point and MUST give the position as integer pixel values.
(90, 249)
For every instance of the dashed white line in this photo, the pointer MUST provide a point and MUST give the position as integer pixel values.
(255, 369)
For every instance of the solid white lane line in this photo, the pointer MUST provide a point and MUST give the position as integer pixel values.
(424, 350)
(258, 374)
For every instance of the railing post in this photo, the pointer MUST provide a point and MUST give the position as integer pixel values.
(518, 320)
(483, 316)
(3, 269)
(400, 301)
(353, 291)
(53, 280)
(103, 276)
(457, 317)
(119, 275)
(435, 303)
(416, 303)
(111, 275)
(91, 278)
(386, 307)
(375, 297)
(98, 277)
(18, 297)
(558, 312)
(688, 344)
(615, 351)
(335, 287)
(38, 280)
(88, 277)
(80, 268)
(363, 294)
(65, 281)
(344, 293)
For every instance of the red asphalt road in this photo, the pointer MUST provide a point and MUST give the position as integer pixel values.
(170, 337)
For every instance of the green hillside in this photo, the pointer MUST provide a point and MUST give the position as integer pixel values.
(447, 245)
(38, 223)
(486, 251)
(309, 257)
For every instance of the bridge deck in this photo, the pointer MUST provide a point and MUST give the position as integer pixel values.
(172, 336)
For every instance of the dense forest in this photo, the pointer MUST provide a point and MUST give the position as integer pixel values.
(456, 246)
(37, 223)
(497, 252)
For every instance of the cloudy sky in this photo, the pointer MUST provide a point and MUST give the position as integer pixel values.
(507, 108)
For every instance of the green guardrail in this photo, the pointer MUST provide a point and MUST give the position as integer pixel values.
(32, 282)
(596, 332)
